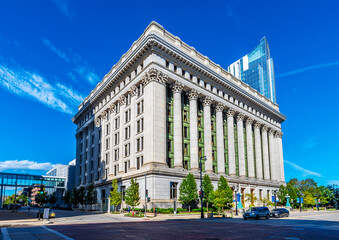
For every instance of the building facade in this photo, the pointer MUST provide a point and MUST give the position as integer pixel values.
(65, 171)
(257, 70)
(164, 105)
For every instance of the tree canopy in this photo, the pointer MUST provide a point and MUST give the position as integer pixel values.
(132, 194)
(188, 191)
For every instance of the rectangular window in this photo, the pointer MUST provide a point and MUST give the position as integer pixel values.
(116, 138)
(125, 167)
(186, 149)
(107, 143)
(99, 148)
(173, 190)
(92, 141)
(199, 121)
(138, 144)
(107, 158)
(185, 132)
(115, 170)
(108, 126)
(185, 116)
(142, 143)
(138, 126)
(138, 163)
(92, 152)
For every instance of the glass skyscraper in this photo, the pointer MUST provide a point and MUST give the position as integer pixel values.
(256, 69)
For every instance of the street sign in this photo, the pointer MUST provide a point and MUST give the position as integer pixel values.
(298, 200)
(302, 200)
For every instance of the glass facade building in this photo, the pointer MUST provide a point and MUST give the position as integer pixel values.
(257, 70)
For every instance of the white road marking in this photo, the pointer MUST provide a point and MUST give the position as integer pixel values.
(57, 233)
(4, 233)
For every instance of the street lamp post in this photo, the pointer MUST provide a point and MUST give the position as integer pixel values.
(275, 197)
(201, 191)
(235, 189)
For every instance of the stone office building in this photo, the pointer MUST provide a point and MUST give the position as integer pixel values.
(164, 105)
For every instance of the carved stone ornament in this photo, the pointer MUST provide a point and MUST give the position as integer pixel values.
(257, 125)
(249, 121)
(278, 134)
(97, 122)
(112, 107)
(154, 75)
(193, 95)
(207, 101)
(270, 132)
(230, 112)
(133, 91)
(240, 117)
(264, 128)
(177, 87)
(122, 100)
(103, 115)
(220, 107)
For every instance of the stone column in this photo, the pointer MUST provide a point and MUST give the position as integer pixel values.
(133, 93)
(249, 143)
(265, 154)
(241, 147)
(258, 158)
(177, 124)
(194, 148)
(103, 146)
(89, 158)
(279, 156)
(85, 131)
(230, 140)
(220, 138)
(77, 173)
(273, 165)
(111, 112)
(98, 151)
(208, 134)
(122, 102)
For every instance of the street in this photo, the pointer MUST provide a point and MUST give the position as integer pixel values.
(306, 225)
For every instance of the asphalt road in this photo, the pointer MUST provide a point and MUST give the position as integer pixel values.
(316, 225)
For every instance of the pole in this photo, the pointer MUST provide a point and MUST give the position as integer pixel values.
(201, 197)
(275, 198)
(236, 202)
(145, 196)
(2, 187)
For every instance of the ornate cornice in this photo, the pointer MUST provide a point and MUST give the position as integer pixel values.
(220, 107)
(207, 101)
(193, 94)
(249, 121)
(230, 112)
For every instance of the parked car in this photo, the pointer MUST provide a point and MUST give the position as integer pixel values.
(279, 212)
(40, 213)
(257, 212)
(13, 206)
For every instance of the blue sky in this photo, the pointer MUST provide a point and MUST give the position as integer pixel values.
(53, 53)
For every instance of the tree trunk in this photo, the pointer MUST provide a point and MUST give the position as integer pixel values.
(189, 208)
(206, 206)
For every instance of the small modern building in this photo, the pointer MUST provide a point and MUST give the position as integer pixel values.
(64, 171)
(162, 107)
(257, 70)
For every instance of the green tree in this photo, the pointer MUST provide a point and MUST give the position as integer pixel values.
(75, 197)
(115, 196)
(90, 196)
(10, 199)
(41, 198)
(82, 194)
(222, 196)
(250, 198)
(67, 197)
(52, 198)
(132, 194)
(188, 191)
(22, 199)
(207, 188)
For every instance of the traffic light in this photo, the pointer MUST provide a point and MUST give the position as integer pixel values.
(42, 189)
(148, 199)
(201, 194)
(146, 192)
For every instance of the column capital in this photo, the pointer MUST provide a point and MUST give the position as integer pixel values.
(220, 107)
(230, 112)
(154, 75)
(97, 122)
(207, 101)
(249, 121)
(177, 87)
(193, 94)
(278, 134)
(264, 128)
(103, 115)
(112, 107)
(133, 91)
(240, 117)
(257, 125)
(122, 100)
(270, 131)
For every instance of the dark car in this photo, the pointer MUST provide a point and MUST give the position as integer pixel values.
(280, 212)
(257, 212)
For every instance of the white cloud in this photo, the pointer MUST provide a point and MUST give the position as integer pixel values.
(304, 171)
(55, 50)
(81, 68)
(25, 165)
(63, 7)
(300, 70)
(32, 85)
